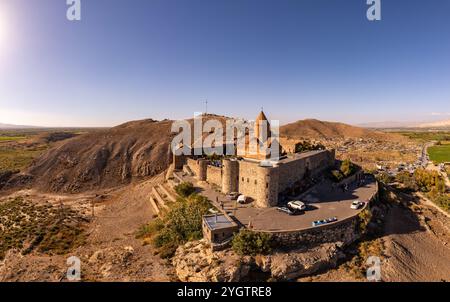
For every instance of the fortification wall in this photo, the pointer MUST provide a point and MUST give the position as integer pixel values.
(248, 179)
(179, 161)
(193, 165)
(267, 189)
(293, 171)
(230, 176)
(344, 231)
(214, 175)
(259, 183)
(202, 169)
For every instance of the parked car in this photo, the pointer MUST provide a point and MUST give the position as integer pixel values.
(332, 219)
(233, 195)
(317, 223)
(356, 205)
(242, 199)
(286, 210)
(296, 205)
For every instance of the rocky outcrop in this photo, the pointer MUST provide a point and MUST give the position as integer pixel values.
(300, 263)
(195, 262)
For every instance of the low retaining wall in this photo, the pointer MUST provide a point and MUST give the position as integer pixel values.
(344, 231)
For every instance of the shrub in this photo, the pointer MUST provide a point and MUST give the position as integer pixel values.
(337, 175)
(364, 218)
(384, 178)
(308, 146)
(427, 180)
(407, 180)
(182, 223)
(247, 242)
(185, 189)
(443, 201)
(348, 168)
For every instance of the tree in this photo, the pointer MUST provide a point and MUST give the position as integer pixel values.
(182, 223)
(247, 242)
(348, 168)
(185, 189)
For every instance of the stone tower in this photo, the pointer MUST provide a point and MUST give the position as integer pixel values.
(267, 192)
(230, 176)
(202, 169)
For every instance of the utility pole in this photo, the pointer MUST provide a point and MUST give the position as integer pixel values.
(206, 106)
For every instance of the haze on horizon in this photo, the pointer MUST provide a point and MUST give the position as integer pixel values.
(162, 58)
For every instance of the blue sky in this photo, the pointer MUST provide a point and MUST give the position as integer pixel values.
(160, 59)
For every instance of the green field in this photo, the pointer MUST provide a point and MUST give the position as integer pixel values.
(439, 154)
(11, 138)
(426, 136)
(13, 159)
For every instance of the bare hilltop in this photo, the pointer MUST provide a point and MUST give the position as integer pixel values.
(111, 157)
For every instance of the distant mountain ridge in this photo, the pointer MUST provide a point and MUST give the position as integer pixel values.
(11, 126)
(395, 124)
(440, 124)
(315, 129)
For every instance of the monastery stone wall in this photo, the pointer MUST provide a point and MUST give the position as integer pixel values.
(248, 179)
(214, 175)
(193, 165)
(295, 170)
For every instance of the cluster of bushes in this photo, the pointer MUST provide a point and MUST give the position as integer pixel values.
(247, 242)
(442, 200)
(182, 223)
(308, 146)
(385, 178)
(185, 189)
(430, 182)
(346, 169)
(422, 180)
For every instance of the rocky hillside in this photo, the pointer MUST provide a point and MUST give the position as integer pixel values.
(111, 157)
(105, 158)
(315, 129)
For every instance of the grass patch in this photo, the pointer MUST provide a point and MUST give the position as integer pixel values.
(11, 138)
(45, 228)
(426, 136)
(357, 266)
(17, 158)
(439, 153)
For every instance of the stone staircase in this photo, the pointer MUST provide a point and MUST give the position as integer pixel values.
(187, 170)
(161, 197)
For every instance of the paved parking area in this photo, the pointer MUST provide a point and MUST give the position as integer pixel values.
(323, 202)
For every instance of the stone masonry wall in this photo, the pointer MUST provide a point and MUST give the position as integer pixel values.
(214, 175)
(344, 231)
(293, 171)
(248, 179)
(193, 165)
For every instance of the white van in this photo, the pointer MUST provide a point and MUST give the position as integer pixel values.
(242, 199)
